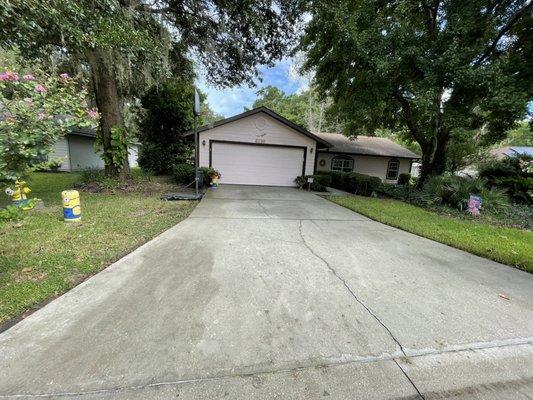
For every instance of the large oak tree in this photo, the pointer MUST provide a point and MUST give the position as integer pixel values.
(432, 68)
(124, 43)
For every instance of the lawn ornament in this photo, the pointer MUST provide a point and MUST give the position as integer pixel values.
(19, 196)
(71, 206)
(474, 205)
(214, 176)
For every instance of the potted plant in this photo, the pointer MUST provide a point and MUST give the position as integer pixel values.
(214, 177)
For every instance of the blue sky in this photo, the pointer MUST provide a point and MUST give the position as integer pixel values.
(232, 101)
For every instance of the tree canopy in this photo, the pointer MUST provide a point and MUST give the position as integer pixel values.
(522, 135)
(305, 108)
(167, 113)
(128, 44)
(435, 68)
(230, 38)
(292, 106)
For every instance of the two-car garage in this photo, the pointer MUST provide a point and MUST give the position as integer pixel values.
(258, 147)
(257, 164)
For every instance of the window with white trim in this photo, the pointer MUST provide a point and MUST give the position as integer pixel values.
(392, 169)
(342, 163)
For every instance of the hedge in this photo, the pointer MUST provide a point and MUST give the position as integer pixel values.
(183, 173)
(352, 182)
(513, 174)
(319, 182)
(404, 178)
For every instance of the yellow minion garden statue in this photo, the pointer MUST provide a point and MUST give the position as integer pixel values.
(71, 205)
(19, 196)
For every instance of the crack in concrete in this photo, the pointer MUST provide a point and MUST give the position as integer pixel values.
(354, 295)
(363, 305)
(359, 360)
(263, 208)
(409, 379)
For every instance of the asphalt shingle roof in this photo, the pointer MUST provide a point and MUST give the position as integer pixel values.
(513, 151)
(367, 145)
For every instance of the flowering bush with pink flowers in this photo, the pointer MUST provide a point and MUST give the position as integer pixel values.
(35, 111)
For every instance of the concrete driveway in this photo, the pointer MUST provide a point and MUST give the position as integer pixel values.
(273, 293)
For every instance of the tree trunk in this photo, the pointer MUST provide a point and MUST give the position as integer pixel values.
(320, 116)
(310, 124)
(433, 150)
(433, 157)
(109, 103)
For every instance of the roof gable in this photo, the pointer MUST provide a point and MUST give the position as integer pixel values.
(270, 113)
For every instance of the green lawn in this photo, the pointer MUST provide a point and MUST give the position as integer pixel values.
(506, 245)
(42, 256)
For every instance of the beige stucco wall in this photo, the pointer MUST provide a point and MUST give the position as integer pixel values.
(369, 165)
(257, 128)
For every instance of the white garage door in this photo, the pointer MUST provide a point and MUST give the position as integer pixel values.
(251, 164)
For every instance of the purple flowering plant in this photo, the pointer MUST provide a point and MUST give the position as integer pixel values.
(35, 111)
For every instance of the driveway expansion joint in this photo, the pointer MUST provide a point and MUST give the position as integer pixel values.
(356, 360)
(353, 294)
(281, 219)
(249, 199)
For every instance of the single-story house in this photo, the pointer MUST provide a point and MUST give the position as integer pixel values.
(77, 151)
(260, 147)
(375, 156)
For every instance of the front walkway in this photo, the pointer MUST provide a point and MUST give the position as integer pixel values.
(277, 293)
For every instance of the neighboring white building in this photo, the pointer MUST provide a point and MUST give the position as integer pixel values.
(78, 151)
(416, 167)
(260, 147)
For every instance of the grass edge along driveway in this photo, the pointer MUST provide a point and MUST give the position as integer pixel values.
(505, 245)
(43, 257)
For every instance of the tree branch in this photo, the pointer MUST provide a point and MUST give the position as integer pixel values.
(145, 7)
(410, 119)
(512, 21)
(431, 15)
